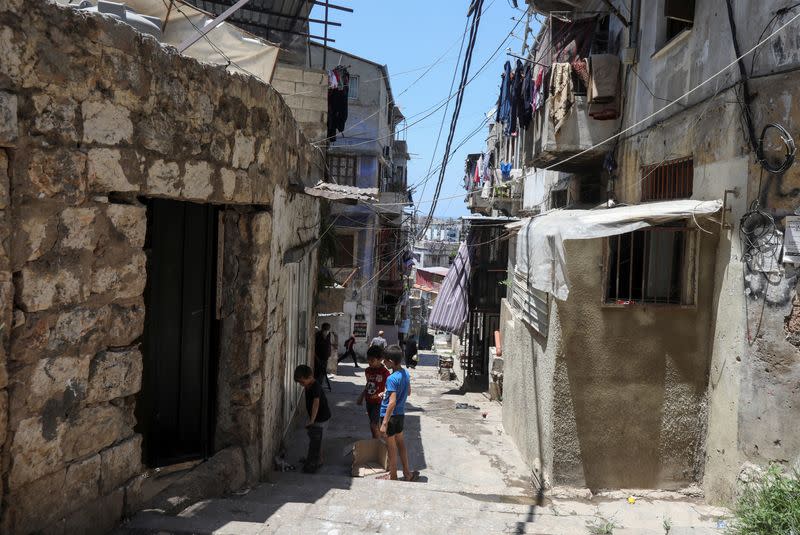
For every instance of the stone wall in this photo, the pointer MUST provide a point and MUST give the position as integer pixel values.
(96, 119)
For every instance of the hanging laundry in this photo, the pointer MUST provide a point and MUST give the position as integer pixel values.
(538, 89)
(337, 100)
(516, 99)
(561, 93)
(581, 68)
(479, 167)
(486, 192)
(505, 171)
(604, 78)
(504, 107)
(486, 166)
(526, 114)
(572, 39)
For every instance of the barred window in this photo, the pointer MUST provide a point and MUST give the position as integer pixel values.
(651, 266)
(342, 169)
(669, 180)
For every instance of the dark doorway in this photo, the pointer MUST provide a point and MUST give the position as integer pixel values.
(175, 410)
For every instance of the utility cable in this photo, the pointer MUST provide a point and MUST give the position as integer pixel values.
(457, 106)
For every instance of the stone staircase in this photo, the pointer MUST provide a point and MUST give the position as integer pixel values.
(298, 503)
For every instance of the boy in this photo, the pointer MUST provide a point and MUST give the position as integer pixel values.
(349, 346)
(393, 409)
(318, 416)
(376, 376)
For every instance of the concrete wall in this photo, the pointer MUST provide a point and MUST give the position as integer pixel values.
(621, 391)
(753, 404)
(88, 132)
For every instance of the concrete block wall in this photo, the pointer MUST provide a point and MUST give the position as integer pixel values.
(88, 131)
(306, 93)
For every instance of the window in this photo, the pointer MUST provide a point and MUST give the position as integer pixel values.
(344, 255)
(671, 180)
(558, 198)
(653, 265)
(352, 92)
(679, 15)
(591, 190)
(342, 169)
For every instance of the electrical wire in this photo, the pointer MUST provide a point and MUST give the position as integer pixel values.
(475, 25)
(650, 116)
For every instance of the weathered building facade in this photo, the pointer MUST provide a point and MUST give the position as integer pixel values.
(678, 366)
(367, 240)
(156, 266)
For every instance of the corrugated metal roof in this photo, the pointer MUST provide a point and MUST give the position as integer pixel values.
(265, 18)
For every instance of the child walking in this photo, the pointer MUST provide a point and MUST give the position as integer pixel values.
(373, 392)
(393, 410)
(318, 415)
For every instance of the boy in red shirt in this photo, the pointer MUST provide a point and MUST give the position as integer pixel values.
(373, 392)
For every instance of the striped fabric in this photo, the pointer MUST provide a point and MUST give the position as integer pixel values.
(450, 309)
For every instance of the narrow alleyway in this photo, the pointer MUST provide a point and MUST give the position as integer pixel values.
(473, 481)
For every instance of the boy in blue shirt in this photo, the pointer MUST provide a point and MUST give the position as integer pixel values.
(393, 409)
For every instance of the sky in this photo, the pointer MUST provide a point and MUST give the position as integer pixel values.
(410, 35)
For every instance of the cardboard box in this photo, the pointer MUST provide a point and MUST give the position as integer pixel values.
(370, 457)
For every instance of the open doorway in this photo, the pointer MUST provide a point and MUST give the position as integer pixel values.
(175, 410)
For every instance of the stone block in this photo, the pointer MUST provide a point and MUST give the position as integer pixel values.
(243, 150)
(221, 150)
(8, 119)
(262, 229)
(35, 452)
(36, 233)
(79, 328)
(94, 429)
(51, 173)
(316, 104)
(123, 281)
(313, 78)
(41, 286)
(3, 416)
(197, 183)
(83, 481)
(98, 517)
(228, 177)
(120, 463)
(290, 74)
(4, 193)
(105, 172)
(50, 386)
(114, 374)
(126, 324)
(156, 132)
(106, 123)
(33, 507)
(284, 87)
(130, 221)
(163, 179)
(55, 118)
(79, 224)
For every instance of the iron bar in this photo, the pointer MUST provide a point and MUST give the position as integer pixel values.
(332, 6)
(211, 25)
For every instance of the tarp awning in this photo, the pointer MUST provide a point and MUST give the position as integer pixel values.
(243, 51)
(541, 261)
(345, 194)
(450, 310)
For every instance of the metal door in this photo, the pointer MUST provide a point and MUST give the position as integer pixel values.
(175, 409)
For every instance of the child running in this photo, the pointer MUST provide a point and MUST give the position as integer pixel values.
(393, 410)
(376, 375)
(318, 416)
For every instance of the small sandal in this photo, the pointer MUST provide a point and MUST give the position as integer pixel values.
(414, 476)
(385, 477)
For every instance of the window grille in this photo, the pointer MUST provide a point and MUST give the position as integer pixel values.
(670, 180)
(653, 265)
(352, 90)
(342, 169)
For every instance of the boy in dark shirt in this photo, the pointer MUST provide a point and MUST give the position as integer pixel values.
(318, 415)
(376, 376)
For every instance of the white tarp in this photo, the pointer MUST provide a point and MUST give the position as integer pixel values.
(540, 242)
(248, 54)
